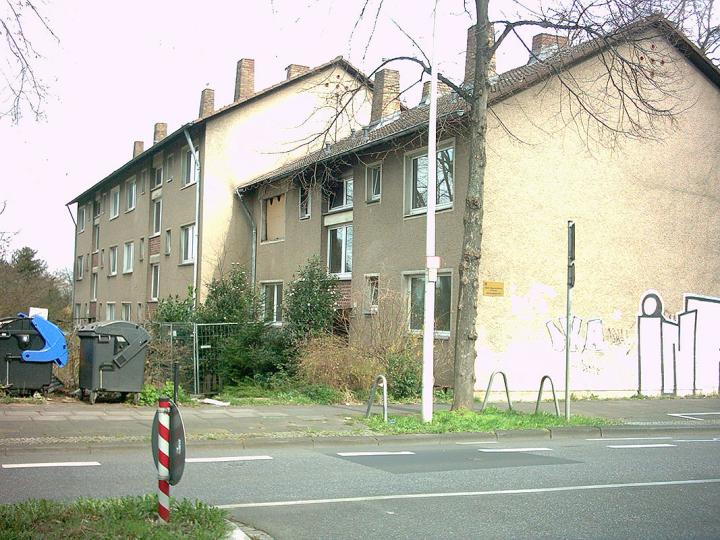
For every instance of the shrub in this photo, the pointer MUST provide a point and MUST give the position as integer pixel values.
(151, 393)
(404, 374)
(310, 300)
(230, 298)
(175, 309)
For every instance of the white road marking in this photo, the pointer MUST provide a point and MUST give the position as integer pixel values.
(472, 493)
(477, 442)
(692, 415)
(359, 454)
(630, 439)
(697, 440)
(498, 450)
(642, 445)
(58, 464)
(225, 458)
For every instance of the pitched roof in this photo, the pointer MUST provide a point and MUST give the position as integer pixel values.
(503, 86)
(339, 61)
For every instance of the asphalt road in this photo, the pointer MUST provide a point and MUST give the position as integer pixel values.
(574, 488)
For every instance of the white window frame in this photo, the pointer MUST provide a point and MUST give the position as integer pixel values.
(157, 219)
(187, 245)
(154, 282)
(408, 277)
(189, 170)
(370, 196)
(108, 307)
(96, 237)
(372, 305)
(80, 267)
(142, 249)
(407, 175)
(128, 268)
(309, 202)
(343, 274)
(168, 241)
(276, 319)
(155, 171)
(93, 286)
(115, 202)
(112, 260)
(130, 188)
(81, 218)
(123, 315)
(346, 205)
(143, 181)
(169, 166)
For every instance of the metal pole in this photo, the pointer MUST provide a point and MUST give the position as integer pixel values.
(431, 261)
(568, 312)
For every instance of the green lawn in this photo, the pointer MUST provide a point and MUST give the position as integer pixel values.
(490, 419)
(126, 517)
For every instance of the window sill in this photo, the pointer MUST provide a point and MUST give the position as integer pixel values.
(154, 235)
(127, 272)
(129, 210)
(112, 275)
(420, 213)
(338, 209)
(188, 185)
(343, 277)
(186, 263)
(304, 218)
(264, 242)
(114, 217)
(373, 201)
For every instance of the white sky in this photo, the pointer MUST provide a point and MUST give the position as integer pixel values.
(122, 66)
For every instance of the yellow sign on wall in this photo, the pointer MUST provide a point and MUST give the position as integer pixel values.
(493, 288)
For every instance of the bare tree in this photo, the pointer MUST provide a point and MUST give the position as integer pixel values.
(24, 87)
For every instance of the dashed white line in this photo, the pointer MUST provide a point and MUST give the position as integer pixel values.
(476, 442)
(226, 458)
(359, 454)
(642, 445)
(472, 493)
(697, 440)
(630, 439)
(58, 464)
(498, 450)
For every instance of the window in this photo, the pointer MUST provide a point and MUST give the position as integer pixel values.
(112, 254)
(80, 268)
(96, 208)
(168, 241)
(373, 179)
(304, 202)
(273, 218)
(143, 180)
(128, 255)
(154, 281)
(340, 250)
(115, 203)
(169, 165)
(139, 311)
(130, 195)
(373, 293)
(341, 194)
(157, 177)
(272, 302)
(93, 287)
(77, 311)
(157, 216)
(126, 311)
(110, 311)
(81, 218)
(102, 258)
(142, 249)
(189, 171)
(416, 184)
(187, 244)
(416, 294)
(96, 237)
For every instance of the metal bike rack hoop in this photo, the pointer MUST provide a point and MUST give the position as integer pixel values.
(487, 392)
(383, 382)
(552, 386)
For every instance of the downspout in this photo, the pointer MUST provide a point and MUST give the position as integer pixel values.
(74, 277)
(253, 249)
(196, 243)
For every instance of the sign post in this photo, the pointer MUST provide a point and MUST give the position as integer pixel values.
(168, 449)
(568, 311)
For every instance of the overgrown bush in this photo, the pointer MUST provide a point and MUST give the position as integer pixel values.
(404, 374)
(175, 309)
(151, 393)
(310, 301)
(230, 299)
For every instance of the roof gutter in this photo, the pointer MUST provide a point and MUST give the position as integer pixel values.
(196, 229)
(253, 226)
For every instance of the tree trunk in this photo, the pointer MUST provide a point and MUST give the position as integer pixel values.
(469, 270)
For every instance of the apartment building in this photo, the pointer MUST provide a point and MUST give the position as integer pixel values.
(647, 215)
(168, 220)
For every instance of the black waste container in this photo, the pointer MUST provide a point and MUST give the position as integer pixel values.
(112, 357)
(29, 346)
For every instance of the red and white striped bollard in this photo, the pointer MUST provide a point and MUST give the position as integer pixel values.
(164, 459)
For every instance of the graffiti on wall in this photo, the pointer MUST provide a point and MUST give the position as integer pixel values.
(680, 355)
(592, 340)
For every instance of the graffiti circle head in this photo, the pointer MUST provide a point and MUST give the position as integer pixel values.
(652, 305)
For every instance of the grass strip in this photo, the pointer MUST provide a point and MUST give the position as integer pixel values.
(491, 419)
(126, 517)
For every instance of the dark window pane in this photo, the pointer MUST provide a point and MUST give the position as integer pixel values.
(337, 195)
(417, 302)
(335, 251)
(348, 248)
(442, 304)
(419, 182)
(445, 176)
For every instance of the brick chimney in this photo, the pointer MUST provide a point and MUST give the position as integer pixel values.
(543, 45)
(470, 55)
(160, 132)
(443, 89)
(386, 98)
(207, 102)
(138, 148)
(293, 70)
(244, 79)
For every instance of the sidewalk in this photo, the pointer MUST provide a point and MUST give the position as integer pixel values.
(65, 422)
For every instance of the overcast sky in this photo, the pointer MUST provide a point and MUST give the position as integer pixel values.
(122, 66)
